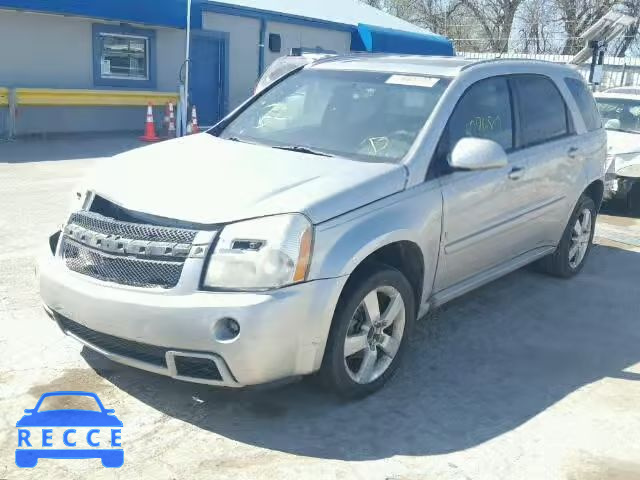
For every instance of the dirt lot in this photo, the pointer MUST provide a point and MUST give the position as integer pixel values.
(527, 378)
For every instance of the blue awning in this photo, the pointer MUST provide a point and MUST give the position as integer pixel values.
(386, 40)
(165, 13)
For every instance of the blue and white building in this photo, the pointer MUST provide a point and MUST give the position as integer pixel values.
(69, 65)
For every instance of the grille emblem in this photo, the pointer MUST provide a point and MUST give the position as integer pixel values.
(133, 254)
(116, 244)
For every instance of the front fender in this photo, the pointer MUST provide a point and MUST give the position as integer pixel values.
(413, 215)
(349, 251)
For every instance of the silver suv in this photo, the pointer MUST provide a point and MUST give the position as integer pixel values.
(308, 230)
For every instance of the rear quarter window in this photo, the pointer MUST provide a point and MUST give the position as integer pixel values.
(586, 103)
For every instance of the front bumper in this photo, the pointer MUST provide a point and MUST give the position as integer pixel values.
(282, 332)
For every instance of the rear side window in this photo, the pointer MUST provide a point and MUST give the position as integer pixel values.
(543, 113)
(586, 103)
(484, 111)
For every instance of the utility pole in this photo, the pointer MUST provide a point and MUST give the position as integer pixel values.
(599, 48)
(185, 95)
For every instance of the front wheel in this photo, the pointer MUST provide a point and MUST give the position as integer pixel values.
(369, 331)
(576, 242)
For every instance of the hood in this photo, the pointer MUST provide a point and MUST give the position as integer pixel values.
(204, 179)
(622, 142)
(69, 418)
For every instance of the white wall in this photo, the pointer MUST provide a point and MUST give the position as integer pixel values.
(244, 52)
(244, 36)
(52, 51)
(295, 36)
(45, 51)
(170, 51)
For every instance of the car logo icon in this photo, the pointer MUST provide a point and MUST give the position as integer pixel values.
(69, 433)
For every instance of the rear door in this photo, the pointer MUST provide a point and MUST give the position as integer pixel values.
(548, 143)
(484, 212)
(592, 136)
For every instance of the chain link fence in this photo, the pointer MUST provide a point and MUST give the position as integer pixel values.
(617, 72)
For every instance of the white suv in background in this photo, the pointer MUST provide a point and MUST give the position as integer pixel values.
(311, 228)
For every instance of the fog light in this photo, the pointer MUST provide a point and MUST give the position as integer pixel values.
(226, 330)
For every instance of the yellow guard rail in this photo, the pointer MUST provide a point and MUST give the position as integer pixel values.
(4, 97)
(43, 97)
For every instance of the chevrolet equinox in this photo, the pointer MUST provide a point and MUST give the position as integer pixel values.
(309, 229)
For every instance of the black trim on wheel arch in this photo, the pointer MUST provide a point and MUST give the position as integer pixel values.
(333, 372)
(558, 263)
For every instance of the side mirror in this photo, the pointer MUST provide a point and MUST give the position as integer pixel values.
(109, 411)
(28, 410)
(478, 154)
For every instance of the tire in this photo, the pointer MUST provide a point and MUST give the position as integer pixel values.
(633, 199)
(562, 263)
(350, 376)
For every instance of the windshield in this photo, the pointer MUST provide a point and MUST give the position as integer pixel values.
(366, 116)
(620, 114)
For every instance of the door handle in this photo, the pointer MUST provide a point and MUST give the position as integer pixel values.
(573, 152)
(516, 173)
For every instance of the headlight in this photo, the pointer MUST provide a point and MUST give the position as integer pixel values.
(261, 254)
(624, 160)
(630, 171)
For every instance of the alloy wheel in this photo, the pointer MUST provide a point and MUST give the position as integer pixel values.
(374, 334)
(580, 238)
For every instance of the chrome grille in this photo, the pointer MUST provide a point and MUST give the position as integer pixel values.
(131, 271)
(135, 231)
(127, 253)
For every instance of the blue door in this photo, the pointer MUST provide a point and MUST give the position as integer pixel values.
(207, 76)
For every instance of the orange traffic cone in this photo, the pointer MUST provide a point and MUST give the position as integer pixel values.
(171, 129)
(149, 127)
(193, 126)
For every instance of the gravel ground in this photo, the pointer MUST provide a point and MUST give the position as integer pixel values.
(527, 378)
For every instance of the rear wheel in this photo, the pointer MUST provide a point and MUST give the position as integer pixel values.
(574, 248)
(368, 335)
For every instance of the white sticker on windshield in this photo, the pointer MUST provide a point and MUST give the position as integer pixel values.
(412, 80)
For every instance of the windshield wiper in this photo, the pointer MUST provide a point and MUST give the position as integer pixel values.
(236, 139)
(301, 149)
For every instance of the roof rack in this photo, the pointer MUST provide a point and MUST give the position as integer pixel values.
(512, 59)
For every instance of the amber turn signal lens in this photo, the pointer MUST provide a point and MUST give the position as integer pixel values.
(304, 257)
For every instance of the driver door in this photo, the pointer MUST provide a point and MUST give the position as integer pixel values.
(483, 211)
